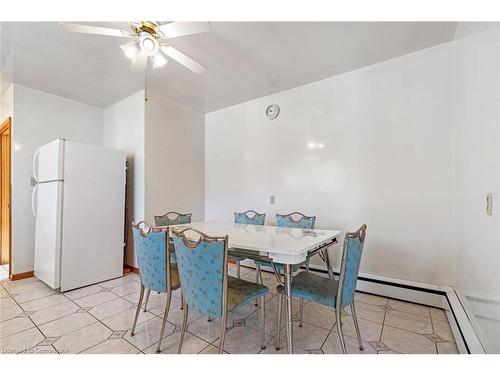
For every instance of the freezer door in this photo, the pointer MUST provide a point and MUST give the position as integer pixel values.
(48, 161)
(93, 215)
(47, 208)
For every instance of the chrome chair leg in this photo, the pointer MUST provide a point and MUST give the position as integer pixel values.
(147, 299)
(139, 304)
(258, 276)
(280, 307)
(301, 312)
(338, 311)
(182, 301)
(165, 316)
(223, 325)
(307, 265)
(263, 322)
(238, 269)
(184, 326)
(355, 318)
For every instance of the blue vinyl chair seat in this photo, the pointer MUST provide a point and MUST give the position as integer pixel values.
(240, 292)
(315, 288)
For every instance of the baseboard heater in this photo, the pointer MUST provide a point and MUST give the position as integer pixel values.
(443, 297)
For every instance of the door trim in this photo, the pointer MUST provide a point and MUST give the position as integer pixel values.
(6, 125)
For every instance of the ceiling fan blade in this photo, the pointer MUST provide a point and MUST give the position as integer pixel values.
(87, 29)
(175, 29)
(182, 59)
(139, 64)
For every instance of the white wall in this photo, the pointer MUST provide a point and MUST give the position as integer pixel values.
(164, 145)
(386, 160)
(477, 171)
(7, 104)
(40, 118)
(174, 158)
(124, 129)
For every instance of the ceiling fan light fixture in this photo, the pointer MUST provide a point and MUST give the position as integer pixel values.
(159, 60)
(148, 44)
(131, 50)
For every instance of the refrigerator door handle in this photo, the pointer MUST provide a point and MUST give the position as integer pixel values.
(35, 160)
(33, 201)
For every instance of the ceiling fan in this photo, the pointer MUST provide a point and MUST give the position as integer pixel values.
(149, 41)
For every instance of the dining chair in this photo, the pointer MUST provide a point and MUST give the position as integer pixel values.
(246, 218)
(152, 247)
(207, 287)
(330, 292)
(288, 221)
(170, 218)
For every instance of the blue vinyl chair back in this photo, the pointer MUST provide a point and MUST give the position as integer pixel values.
(349, 269)
(245, 218)
(172, 218)
(287, 221)
(151, 250)
(202, 270)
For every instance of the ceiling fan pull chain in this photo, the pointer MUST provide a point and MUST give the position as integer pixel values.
(146, 84)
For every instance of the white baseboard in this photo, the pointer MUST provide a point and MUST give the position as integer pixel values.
(444, 297)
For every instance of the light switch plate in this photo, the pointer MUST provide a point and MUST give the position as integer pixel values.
(489, 204)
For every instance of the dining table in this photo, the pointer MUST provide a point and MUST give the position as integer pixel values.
(288, 246)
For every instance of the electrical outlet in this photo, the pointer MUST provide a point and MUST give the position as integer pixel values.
(272, 199)
(489, 204)
(32, 181)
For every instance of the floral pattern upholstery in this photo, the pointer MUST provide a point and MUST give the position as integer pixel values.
(285, 221)
(201, 275)
(240, 292)
(242, 218)
(164, 220)
(151, 255)
(322, 290)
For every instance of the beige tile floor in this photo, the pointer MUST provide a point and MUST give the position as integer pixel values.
(98, 318)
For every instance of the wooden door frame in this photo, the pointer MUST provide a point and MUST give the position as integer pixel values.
(6, 125)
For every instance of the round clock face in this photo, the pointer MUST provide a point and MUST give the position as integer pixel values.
(272, 111)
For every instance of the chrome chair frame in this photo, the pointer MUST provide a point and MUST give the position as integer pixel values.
(170, 221)
(361, 232)
(145, 233)
(173, 221)
(180, 232)
(248, 217)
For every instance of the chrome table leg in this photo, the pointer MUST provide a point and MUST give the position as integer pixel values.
(257, 277)
(289, 320)
(328, 266)
(280, 306)
(263, 322)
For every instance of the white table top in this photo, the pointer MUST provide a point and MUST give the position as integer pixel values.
(283, 245)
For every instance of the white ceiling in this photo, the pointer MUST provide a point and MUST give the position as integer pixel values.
(244, 60)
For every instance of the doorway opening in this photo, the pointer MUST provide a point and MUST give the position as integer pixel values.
(5, 195)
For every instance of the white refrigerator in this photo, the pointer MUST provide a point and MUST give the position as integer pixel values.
(79, 205)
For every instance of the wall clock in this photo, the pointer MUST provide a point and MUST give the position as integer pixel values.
(272, 111)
